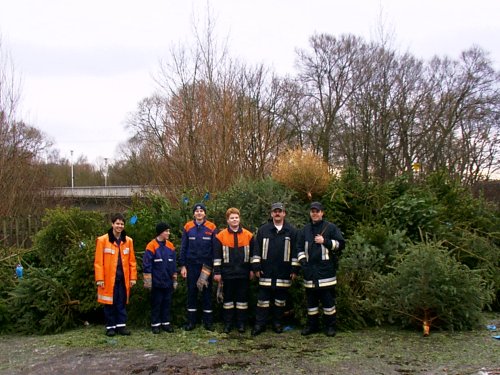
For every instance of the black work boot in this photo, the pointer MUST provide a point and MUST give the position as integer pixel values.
(191, 321)
(167, 328)
(209, 327)
(257, 330)
(309, 330)
(330, 331)
(110, 332)
(208, 321)
(330, 323)
(123, 331)
(228, 316)
(312, 325)
(277, 327)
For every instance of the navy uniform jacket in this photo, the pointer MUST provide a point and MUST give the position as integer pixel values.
(159, 263)
(233, 251)
(275, 255)
(320, 261)
(197, 243)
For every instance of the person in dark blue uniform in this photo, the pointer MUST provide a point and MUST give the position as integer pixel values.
(196, 262)
(275, 263)
(319, 246)
(160, 275)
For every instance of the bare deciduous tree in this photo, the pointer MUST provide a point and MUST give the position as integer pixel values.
(460, 116)
(215, 121)
(331, 73)
(383, 112)
(356, 104)
(21, 146)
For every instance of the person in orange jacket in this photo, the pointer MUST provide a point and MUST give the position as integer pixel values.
(115, 273)
(233, 250)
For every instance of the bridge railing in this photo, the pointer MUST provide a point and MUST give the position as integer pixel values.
(103, 191)
(19, 231)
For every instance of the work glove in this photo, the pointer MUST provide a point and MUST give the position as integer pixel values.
(175, 284)
(100, 284)
(132, 283)
(220, 294)
(147, 281)
(204, 276)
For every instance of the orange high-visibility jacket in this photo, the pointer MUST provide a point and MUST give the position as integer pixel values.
(232, 253)
(106, 260)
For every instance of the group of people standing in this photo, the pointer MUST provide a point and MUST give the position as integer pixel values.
(231, 257)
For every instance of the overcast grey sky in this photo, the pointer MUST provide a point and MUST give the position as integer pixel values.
(86, 64)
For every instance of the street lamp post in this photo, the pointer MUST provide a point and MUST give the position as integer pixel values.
(105, 172)
(72, 171)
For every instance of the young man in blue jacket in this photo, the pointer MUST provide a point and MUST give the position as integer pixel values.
(160, 275)
(196, 262)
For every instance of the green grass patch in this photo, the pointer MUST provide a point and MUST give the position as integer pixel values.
(373, 350)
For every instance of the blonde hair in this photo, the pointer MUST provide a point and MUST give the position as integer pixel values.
(231, 211)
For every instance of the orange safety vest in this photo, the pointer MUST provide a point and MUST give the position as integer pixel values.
(105, 263)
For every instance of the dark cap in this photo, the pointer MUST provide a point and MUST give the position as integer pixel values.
(316, 205)
(161, 227)
(199, 206)
(277, 206)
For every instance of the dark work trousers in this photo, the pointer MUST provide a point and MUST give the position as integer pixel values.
(270, 299)
(161, 302)
(193, 273)
(235, 297)
(115, 315)
(327, 298)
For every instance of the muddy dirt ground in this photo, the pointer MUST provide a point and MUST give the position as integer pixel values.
(361, 352)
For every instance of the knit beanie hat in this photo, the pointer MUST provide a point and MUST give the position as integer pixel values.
(161, 227)
(199, 206)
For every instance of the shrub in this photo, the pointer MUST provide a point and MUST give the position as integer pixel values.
(304, 172)
(372, 250)
(58, 290)
(415, 212)
(41, 302)
(479, 252)
(429, 286)
(350, 200)
(148, 212)
(254, 199)
(471, 228)
(64, 228)
(296, 311)
(79, 278)
(9, 281)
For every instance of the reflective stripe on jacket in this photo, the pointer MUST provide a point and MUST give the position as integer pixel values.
(320, 261)
(159, 263)
(232, 253)
(106, 262)
(197, 243)
(275, 255)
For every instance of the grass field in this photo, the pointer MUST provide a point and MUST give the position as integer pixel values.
(378, 350)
